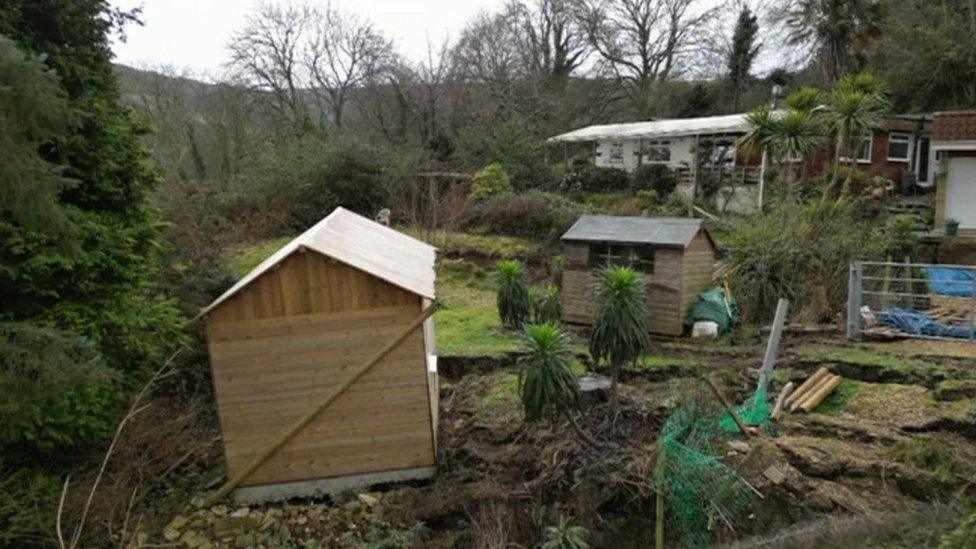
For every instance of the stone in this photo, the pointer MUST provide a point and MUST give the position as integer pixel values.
(775, 474)
(193, 539)
(594, 389)
(242, 512)
(172, 530)
(740, 446)
(368, 500)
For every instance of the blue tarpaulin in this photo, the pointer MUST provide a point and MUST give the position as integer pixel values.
(951, 281)
(917, 322)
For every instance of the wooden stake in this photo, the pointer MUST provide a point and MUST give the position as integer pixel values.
(289, 433)
(781, 399)
(806, 385)
(816, 398)
(772, 346)
(659, 519)
(728, 407)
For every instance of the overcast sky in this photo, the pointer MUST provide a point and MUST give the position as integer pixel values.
(194, 33)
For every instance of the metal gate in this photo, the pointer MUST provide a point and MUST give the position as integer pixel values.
(920, 300)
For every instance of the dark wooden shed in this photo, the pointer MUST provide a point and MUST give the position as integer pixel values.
(676, 256)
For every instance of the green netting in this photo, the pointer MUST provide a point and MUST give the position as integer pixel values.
(701, 492)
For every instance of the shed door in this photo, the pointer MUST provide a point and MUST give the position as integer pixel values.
(961, 191)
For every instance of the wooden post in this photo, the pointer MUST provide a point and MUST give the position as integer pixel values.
(290, 432)
(659, 519)
(728, 407)
(762, 179)
(807, 385)
(772, 346)
(781, 400)
(854, 301)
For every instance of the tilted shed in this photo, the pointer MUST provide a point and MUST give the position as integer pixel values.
(296, 328)
(675, 255)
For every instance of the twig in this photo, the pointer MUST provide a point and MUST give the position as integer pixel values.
(57, 521)
(727, 406)
(133, 410)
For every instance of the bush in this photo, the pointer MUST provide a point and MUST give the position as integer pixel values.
(491, 180)
(535, 215)
(28, 507)
(546, 306)
(514, 303)
(510, 144)
(802, 253)
(657, 177)
(55, 391)
(593, 179)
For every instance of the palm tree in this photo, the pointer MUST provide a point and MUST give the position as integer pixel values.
(620, 328)
(546, 306)
(857, 107)
(546, 382)
(837, 30)
(758, 139)
(514, 303)
(805, 99)
(796, 136)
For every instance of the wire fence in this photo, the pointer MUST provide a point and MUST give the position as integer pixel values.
(919, 300)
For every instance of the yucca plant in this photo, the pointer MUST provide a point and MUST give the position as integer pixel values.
(546, 382)
(546, 306)
(857, 107)
(564, 535)
(514, 303)
(620, 327)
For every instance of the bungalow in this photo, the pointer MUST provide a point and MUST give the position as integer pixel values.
(692, 146)
(954, 145)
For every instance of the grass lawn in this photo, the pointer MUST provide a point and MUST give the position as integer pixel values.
(452, 243)
(468, 322)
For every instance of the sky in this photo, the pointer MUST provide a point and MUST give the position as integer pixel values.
(193, 34)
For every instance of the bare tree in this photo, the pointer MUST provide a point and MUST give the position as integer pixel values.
(344, 52)
(267, 55)
(550, 38)
(643, 41)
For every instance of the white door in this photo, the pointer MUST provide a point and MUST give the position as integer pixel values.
(961, 191)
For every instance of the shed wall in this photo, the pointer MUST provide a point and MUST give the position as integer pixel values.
(294, 334)
(698, 271)
(663, 289)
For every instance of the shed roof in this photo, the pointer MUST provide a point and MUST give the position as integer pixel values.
(360, 243)
(668, 232)
(674, 127)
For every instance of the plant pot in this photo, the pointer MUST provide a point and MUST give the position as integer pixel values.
(952, 228)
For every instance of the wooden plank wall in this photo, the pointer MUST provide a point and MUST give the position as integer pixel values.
(699, 271)
(663, 289)
(293, 335)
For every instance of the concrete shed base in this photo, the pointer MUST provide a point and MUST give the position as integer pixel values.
(326, 486)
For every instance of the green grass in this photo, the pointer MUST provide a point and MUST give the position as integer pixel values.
(933, 455)
(652, 362)
(468, 322)
(837, 401)
(247, 257)
(490, 246)
(865, 356)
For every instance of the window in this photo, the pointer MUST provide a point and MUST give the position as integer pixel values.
(862, 149)
(639, 258)
(899, 147)
(616, 151)
(657, 151)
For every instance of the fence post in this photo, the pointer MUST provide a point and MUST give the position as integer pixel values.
(972, 313)
(854, 301)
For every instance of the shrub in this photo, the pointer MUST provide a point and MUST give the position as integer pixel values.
(535, 215)
(510, 144)
(565, 535)
(492, 180)
(546, 306)
(620, 327)
(800, 252)
(656, 177)
(28, 506)
(593, 179)
(514, 303)
(547, 385)
(55, 391)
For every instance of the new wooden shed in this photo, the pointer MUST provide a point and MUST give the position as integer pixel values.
(676, 256)
(295, 329)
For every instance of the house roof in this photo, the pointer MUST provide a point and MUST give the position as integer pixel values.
(360, 243)
(674, 127)
(667, 232)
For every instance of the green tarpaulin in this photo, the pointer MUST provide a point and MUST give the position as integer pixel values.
(713, 306)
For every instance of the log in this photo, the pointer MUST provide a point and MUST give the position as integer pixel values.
(807, 385)
(781, 399)
(816, 398)
(802, 398)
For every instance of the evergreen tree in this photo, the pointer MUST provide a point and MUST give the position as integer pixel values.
(743, 53)
(103, 288)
